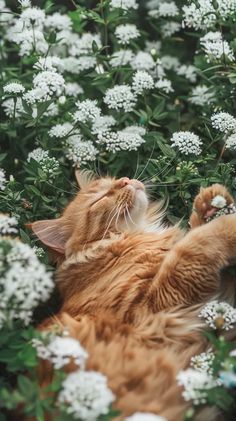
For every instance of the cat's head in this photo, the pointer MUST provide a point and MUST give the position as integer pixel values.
(102, 205)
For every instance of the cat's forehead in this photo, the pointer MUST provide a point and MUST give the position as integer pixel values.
(97, 185)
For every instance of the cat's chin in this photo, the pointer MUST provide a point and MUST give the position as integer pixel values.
(137, 211)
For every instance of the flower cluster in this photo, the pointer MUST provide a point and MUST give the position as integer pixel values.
(24, 281)
(203, 362)
(60, 350)
(127, 139)
(219, 315)
(126, 33)
(80, 151)
(201, 96)
(196, 385)
(216, 48)
(224, 122)
(8, 225)
(85, 395)
(3, 180)
(120, 97)
(124, 4)
(187, 142)
(14, 88)
(48, 164)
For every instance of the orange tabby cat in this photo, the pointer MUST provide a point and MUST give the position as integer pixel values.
(132, 288)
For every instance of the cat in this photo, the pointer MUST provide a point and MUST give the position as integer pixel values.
(132, 288)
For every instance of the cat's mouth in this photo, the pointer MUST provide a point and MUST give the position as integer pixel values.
(135, 201)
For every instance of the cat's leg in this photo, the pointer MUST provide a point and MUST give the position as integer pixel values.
(202, 206)
(190, 272)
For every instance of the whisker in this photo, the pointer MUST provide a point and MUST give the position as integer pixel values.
(149, 159)
(136, 170)
(158, 173)
(128, 213)
(119, 211)
(109, 222)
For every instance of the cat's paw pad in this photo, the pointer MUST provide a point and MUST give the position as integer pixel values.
(211, 202)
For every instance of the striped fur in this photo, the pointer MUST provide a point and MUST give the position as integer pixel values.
(132, 293)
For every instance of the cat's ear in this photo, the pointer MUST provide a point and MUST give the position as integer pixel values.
(51, 232)
(84, 177)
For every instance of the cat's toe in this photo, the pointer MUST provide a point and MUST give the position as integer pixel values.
(208, 203)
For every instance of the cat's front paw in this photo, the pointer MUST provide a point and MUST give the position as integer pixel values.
(211, 202)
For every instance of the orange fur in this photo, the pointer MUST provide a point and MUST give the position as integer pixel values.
(132, 289)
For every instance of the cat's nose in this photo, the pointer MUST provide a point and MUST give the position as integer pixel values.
(124, 181)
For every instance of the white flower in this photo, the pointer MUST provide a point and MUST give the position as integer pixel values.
(51, 63)
(168, 9)
(170, 28)
(170, 62)
(9, 107)
(126, 33)
(77, 65)
(231, 141)
(86, 395)
(134, 129)
(120, 97)
(61, 350)
(219, 315)
(3, 180)
(215, 47)
(218, 202)
(24, 282)
(121, 58)
(187, 71)
(226, 8)
(58, 21)
(38, 155)
(102, 124)
(7, 16)
(73, 89)
(153, 4)
(200, 95)
(187, 142)
(142, 81)
(49, 81)
(195, 384)
(80, 151)
(87, 111)
(28, 40)
(60, 130)
(142, 61)
(32, 16)
(24, 3)
(224, 122)
(204, 14)
(124, 4)
(8, 224)
(153, 46)
(145, 416)
(79, 46)
(203, 362)
(46, 84)
(62, 100)
(127, 139)
(200, 16)
(48, 164)
(164, 85)
(39, 251)
(13, 88)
